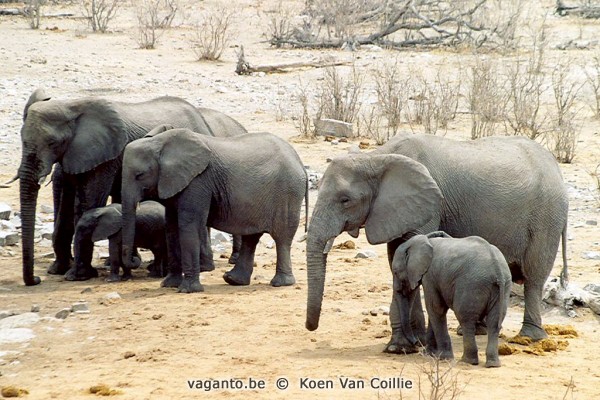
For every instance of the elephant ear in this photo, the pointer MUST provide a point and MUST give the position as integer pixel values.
(407, 197)
(420, 254)
(109, 223)
(99, 135)
(184, 155)
(38, 94)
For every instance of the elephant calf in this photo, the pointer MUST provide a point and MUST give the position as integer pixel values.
(105, 223)
(468, 275)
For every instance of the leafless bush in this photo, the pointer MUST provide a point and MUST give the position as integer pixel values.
(502, 18)
(304, 122)
(372, 125)
(593, 80)
(280, 27)
(486, 98)
(562, 140)
(340, 16)
(339, 97)
(152, 16)
(33, 12)
(525, 89)
(442, 381)
(99, 13)
(213, 34)
(433, 104)
(391, 96)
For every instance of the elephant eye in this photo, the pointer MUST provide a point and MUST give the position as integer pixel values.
(139, 175)
(344, 200)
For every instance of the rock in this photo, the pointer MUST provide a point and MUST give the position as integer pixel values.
(591, 222)
(47, 209)
(87, 290)
(80, 307)
(19, 320)
(366, 254)
(333, 127)
(15, 221)
(270, 244)
(592, 287)
(111, 298)
(62, 314)
(35, 308)
(9, 238)
(384, 310)
(16, 335)
(593, 302)
(6, 314)
(371, 48)
(591, 255)
(5, 211)
(374, 312)
(219, 237)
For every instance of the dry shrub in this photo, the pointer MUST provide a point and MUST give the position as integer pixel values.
(371, 124)
(33, 12)
(152, 16)
(433, 104)
(340, 16)
(391, 96)
(304, 122)
(99, 13)
(486, 96)
(280, 27)
(213, 34)
(593, 81)
(339, 97)
(441, 381)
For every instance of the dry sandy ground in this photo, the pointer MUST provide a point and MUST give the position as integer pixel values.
(152, 341)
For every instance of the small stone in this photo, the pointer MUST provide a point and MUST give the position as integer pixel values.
(219, 237)
(332, 127)
(270, 244)
(47, 209)
(128, 354)
(592, 287)
(35, 308)
(156, 317)
(374, 312)
(365, 313)
(86, 290)
(591, 222)
(80, 307)
(9, 238)
(591, 255)
(385, 310)
(337, 309)
(6, 314)
(5, 211)
(62, 314)
(335, 142)
(329, 159)
(112, 296)
(382, 334)
(366, 254)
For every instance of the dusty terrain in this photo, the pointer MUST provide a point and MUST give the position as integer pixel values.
(152, 341)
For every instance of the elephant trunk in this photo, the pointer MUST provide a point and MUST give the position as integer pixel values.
(129, 215)
(29, 188)
(404, 307)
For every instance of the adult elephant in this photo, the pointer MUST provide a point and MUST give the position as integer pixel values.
(508, 190)
(86, 138)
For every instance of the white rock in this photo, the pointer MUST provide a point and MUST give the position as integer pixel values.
(19, 321)
(335, 142)
(219, 237)
(47, 209)
(62, 314)
(333, 127)
(112, 296)
(270, 244)
(9, 238)
(366, 254)
(591, 255)
(80, 307)
(5, 211)
(35, 308)
(16, 335)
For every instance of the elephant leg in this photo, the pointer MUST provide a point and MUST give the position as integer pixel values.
(431, 344)
(157, 266)
(241, 273)
(235, 251)
(207, 263)
(64, 226)
(192, 225)
(399, 343)
(469, 344)
(283, 271)
(174, 277)
(436, 312)
(491, 352)
(532, 321)
(114, 256)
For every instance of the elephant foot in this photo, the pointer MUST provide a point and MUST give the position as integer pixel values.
(113, 278)
(190, 285)
(81, 274)
(441, 354)
(233, 258)
(235, 278)
(172, 280)
(156, 273)
(470, 360)
(60, 268)
(207, 266)
(533, 332)
(281, 279)
(36, 281)
(492, 363)
(396, 347)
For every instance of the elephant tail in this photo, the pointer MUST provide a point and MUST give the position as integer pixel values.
(564, 275)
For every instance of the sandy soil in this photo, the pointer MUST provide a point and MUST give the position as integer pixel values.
(152, 342)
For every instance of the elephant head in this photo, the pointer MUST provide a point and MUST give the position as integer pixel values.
(160, 165)
(69, 133)
(411, 261)
(388, 195)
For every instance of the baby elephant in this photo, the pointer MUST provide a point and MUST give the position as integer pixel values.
(106, 222)
(468, 275)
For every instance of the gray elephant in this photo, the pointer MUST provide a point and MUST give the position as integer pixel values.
(247, 185)
(106, 223)
(468, 275)
(86, 138)
(507, 190)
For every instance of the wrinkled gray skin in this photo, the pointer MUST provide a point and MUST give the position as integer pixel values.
(247, 185)
(86, 138)
(106, 222)
(507, 190)
(467, 275)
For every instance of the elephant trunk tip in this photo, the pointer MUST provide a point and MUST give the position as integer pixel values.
(312, 326)
(33, 281)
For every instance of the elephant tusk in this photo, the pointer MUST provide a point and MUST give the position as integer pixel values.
(12, 180)
(328, 246)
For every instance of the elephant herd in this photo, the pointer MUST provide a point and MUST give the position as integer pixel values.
(177, 170)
